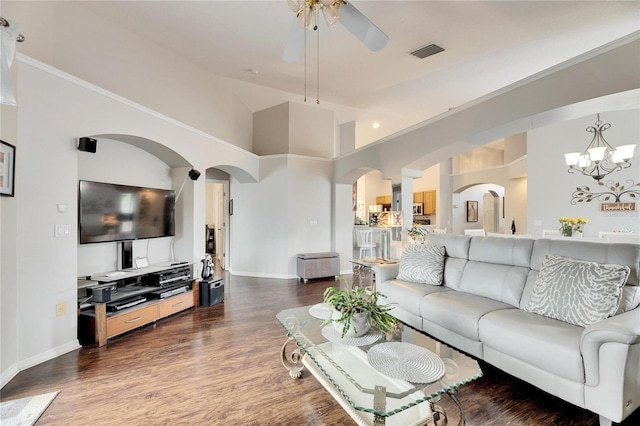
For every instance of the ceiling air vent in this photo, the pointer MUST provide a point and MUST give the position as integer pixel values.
(429, 50)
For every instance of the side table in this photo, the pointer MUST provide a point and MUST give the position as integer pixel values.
(363, 275)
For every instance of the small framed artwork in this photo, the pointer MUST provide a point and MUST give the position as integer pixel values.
(384, 219)
(373, 218)
(417, 209)
(7, 169)
(472, 211)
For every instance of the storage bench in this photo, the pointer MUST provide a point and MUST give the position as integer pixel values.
(318, 265)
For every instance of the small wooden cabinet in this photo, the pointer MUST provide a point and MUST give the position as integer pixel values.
(383, 199)
(139, 298)
(104, 325)
(175, 304)
(130, 319)
(429, 198)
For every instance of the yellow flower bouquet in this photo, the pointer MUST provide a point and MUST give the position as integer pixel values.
(572, 225)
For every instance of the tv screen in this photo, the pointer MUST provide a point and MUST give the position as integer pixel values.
(111, 212)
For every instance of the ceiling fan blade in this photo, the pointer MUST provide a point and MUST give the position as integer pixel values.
(361, 27)
(295, 44)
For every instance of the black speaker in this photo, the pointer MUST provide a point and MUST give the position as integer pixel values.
(102, 294)
(211, 291)
(87, 144)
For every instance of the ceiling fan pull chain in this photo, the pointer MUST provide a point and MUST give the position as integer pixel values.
(318, 63)
(305, 63)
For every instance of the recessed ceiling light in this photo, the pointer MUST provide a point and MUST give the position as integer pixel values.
(253, 71)
(376, 125)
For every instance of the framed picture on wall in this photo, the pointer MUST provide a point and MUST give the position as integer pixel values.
(417, 209)
(472, 211)
(7, 168)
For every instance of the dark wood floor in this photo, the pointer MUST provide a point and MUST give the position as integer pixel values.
(221, 365)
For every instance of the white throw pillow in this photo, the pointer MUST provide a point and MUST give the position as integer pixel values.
(577, 291)
(422, 263)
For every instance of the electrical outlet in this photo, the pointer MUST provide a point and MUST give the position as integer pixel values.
(61, 309)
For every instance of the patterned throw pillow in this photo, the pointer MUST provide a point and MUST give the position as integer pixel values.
(577, 291)
(422, 263)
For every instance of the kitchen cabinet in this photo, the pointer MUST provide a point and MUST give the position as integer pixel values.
(383, 199)
(429, 202)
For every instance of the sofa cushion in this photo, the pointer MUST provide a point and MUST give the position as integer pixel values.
(630, 298)
(456, 245)
(616, 253)
(497, 268)
(458, 311)
(500, 282)
(407, 295)
(457, 253)
(422, 263)
(546, 343)
(506, 251)
(577, 291)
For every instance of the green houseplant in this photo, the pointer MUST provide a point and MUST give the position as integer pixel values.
(352, 302)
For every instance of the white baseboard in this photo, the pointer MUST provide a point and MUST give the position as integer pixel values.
(7, 375)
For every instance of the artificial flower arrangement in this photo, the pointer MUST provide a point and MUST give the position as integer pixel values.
(572, 225)
(417, 234)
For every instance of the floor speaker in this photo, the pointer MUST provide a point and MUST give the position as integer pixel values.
(87, 144)
(211, 291)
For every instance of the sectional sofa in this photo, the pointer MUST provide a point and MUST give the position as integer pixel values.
(560, 314)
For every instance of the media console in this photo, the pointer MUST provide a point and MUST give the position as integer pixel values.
(113, 303)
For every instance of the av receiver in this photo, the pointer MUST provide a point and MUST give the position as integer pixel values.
(167, 278)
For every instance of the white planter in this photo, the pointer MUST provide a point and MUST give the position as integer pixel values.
(359, 324)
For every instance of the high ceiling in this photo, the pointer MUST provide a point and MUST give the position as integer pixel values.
(488, 45)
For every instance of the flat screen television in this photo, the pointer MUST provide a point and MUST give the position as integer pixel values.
(112, 212)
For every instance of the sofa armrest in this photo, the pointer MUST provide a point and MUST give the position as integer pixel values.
(623, 329)
(385, 272)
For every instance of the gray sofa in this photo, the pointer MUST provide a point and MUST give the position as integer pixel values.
(480, 309)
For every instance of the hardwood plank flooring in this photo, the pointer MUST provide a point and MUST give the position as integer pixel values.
(221, 365)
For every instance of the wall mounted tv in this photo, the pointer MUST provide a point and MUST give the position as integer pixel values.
(111, 212)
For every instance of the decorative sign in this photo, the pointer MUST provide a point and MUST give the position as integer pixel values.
(617, 207)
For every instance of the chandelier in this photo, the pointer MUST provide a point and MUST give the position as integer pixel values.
(600, 158)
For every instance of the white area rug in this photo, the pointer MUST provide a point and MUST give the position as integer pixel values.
(25, 411)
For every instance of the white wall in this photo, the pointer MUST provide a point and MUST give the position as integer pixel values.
(73, 39)
(550, 185)
(54, 110)
(286, 213)
(474, 193)
(142, 169)
(8, 257)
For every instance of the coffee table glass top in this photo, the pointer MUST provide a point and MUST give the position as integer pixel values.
(344, 363)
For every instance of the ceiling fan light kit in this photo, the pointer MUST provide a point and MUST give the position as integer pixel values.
(334, 11)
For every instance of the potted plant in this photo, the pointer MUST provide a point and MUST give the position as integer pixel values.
(355, 309)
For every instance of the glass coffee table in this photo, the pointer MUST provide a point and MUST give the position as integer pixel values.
(393, 379)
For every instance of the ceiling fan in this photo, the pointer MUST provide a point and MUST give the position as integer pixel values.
(334, 11)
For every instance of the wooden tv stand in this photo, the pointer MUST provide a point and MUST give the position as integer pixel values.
(97, 324)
